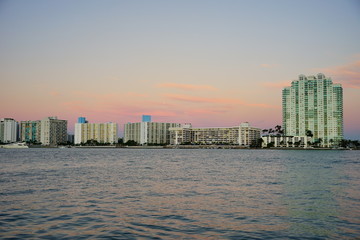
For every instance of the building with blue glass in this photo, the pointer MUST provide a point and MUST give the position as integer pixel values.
(146, 118)
(82, 120)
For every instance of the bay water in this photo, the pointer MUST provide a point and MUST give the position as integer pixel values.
(179, 194)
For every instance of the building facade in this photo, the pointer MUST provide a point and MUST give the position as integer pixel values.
(8, 130)
(148, 132)
(243, 135)
(53, 131)
(30, 131)
(100, 132)
(314, 103)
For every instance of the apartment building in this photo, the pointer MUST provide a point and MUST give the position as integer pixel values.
(8, 130)
(100, 132)
(30, 131)
(53, 131)
(314, 103)
(147, 132)
(243, 135)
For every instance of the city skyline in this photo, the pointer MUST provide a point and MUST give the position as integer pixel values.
(208, 63)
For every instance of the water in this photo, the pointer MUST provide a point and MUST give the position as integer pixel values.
(179, 194)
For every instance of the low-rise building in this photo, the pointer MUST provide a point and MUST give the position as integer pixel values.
(243, 135)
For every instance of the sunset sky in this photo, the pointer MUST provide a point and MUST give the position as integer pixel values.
(209, 63)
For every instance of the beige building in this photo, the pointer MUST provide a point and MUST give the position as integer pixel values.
(100, 132)
(30, 131)
(53, 131)
(242, 135)
(148, 132)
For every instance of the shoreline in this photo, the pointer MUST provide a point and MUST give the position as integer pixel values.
(188, 147)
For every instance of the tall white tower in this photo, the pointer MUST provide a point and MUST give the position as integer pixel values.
(314, 103)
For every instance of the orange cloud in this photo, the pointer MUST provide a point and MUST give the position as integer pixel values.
(265, 65)
(54, 93)
(186, 86)
(348, 75)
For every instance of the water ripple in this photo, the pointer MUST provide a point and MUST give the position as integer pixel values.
(179, 194)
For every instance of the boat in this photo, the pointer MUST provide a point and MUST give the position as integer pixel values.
(15, 145)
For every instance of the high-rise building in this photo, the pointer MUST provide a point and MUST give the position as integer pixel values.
(147, 132)
(30, 131)
(53, 131)
(243, 135)
(314, 103)
(8, 130)
(100, 132)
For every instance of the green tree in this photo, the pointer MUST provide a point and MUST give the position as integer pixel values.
(256, 143)
(309, 133)
(131, 143)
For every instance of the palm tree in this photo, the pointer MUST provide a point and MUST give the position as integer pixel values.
(309, 133)
(271, 130)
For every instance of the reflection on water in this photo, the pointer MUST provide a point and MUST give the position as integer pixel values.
(310, 190)
(186, 194)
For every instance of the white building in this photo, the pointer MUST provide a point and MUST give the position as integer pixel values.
(243, 135)
(8, 130)
(314, 103)
(148, 132)
(53, 131)
(100, 132)
(286, 141)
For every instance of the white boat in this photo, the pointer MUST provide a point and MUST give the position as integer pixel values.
(15, 145)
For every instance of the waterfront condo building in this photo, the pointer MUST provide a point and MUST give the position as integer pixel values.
(8, 130)
(100, 132)
(53, 131)
(147, 132)
(243, 135)
(30, 131)
(314, 103)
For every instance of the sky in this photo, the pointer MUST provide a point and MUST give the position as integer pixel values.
(208, 63)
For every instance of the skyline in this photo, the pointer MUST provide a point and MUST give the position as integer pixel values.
(205, 62)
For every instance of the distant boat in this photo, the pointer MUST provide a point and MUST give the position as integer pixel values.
(15, 145)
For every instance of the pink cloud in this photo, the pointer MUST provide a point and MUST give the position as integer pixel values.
(134, 94)
(348, 74)
(186, 86)
(202, 112)
(194, 99)
(276, 84)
